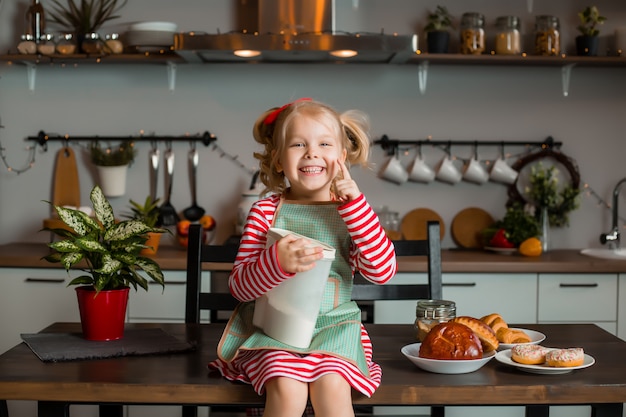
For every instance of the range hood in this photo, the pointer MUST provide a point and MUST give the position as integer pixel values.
(295, 31)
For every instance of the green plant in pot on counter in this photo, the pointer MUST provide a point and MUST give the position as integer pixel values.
(112, 165)
(437, 30)
(108, 252)
(148, 212)
(587, 42)
(516, 226)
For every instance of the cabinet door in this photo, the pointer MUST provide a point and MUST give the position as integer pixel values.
(578, 297)
(33, 299)
(513, 296)
(162, 305)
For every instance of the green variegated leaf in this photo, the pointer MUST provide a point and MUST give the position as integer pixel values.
(102, 207)
(64, 246)
(54, 257)
(70, 259)
(90, 245)
(125, 258)
(152, 269)
(64, 233)
(109, 265)
(90, 222)
(73, 219)
(125, 230)
(82, 280)
(139, 280)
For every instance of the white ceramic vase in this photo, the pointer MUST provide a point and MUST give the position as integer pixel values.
(112, 180)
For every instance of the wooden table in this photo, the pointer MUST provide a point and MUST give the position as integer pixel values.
(183, 378)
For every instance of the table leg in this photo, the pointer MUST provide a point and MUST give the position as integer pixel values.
(607, 410)
(537, 411)
(4, 410)
(53, 409)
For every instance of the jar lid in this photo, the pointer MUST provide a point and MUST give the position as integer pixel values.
(435, 309)
(27, 37)
(112, 36)
(66, 36)
(92, 36)
(46, 37)
(510, 22)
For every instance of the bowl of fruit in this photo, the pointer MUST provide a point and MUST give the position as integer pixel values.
(208, 230)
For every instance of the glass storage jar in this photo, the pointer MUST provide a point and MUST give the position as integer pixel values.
(508, 36)
(91, 44)
(27, 45)
(46, 44)
(547, 35)
(66, 44)
(472, 33)
(113, 44)
(429, 313)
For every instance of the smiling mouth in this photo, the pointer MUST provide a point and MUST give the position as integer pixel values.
(311, 170)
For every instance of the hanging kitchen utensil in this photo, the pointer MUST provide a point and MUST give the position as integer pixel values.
(194, 212)
(167, 213)
(154, 157)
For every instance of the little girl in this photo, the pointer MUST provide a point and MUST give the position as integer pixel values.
(308, 148)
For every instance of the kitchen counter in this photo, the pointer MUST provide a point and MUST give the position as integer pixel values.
(28, 255)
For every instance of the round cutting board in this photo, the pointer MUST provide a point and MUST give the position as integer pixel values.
(413, 225)
(467, 226)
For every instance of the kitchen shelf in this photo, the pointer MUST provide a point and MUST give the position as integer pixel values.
(166, 58)
(423, 60)
(565, 62)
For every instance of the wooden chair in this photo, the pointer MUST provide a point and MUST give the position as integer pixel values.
(365, 293)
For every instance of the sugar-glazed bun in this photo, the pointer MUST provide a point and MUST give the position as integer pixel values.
(451, 341)
(529, 354)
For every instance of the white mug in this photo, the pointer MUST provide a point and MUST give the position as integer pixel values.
(447, 171)
(419, 171)
(502, 172)
(475, 172)
(393, 171)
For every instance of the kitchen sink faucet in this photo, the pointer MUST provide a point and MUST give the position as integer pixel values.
(612, 238)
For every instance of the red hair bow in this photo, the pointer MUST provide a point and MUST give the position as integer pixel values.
(271, 118)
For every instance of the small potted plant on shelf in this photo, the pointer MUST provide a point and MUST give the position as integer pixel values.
(148, 213)
(108, 252)
(587, 41)
(83, 19)
(112, 165)
(437, 30)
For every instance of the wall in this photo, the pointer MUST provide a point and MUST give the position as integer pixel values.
(461, 103)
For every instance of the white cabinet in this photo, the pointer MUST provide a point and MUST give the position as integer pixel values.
(579, 298)
(31, 300)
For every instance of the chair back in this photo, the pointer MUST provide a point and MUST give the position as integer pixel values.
(195, 298)
(365, 293)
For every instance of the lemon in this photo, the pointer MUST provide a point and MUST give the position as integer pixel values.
(530, 247)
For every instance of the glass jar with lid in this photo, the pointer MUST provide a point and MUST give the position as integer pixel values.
(547, 35)
(508, 40)
(472, 33)
(27, 45)
(113, 44)
(91, 44)
(46, 44)
(429, 313)
(66, 45)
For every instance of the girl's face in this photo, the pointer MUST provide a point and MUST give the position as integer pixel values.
(309, 159)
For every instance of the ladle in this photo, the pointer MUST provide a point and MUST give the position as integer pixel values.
(154, 157)
(194, 212)
(167, 213)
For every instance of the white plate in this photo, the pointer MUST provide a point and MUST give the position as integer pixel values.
(154, 26)
(441, 366)
(535, 338)
(504, 251)
(505, 358)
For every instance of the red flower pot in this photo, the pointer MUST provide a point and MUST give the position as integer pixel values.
(102, 316)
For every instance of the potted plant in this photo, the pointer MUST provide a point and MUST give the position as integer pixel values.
(83, 18)
(437, 34)
(148, 213)
(108, 253)
(112, 165)
(587, 41)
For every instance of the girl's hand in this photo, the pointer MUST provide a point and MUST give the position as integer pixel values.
(297, 254)
(346, 188)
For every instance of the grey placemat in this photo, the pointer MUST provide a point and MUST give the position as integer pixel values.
(57, 347)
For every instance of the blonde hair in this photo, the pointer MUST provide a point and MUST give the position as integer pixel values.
(270, 130)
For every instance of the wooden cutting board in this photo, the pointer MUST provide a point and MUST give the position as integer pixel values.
(413, 224)
(65, 188)
(468, 225)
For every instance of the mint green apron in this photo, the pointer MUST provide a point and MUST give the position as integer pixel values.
(338, 327)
